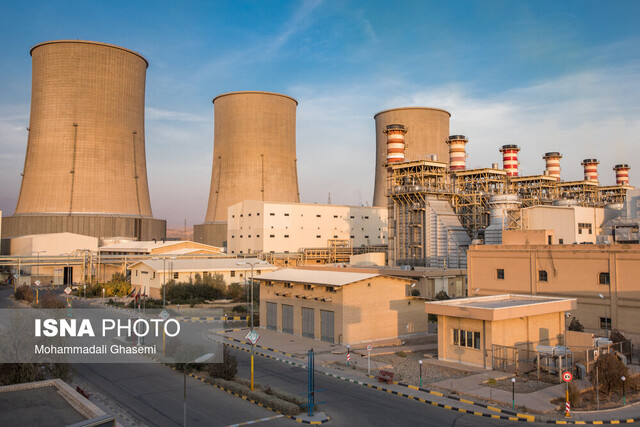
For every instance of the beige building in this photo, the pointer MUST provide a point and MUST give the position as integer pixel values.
(471, 330)
(158, 247)
(151, 274)
(256, 226)
(570, 224)
(583, 272)
(339, 307)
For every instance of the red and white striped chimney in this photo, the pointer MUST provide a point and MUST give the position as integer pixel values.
(395, 143)
(552, 161)
(622, 174)
(590, 169)
(510, 159)
(457, 152)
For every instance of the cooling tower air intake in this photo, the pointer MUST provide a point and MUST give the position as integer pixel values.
(590, 169)
(622, 174)
(395, 143)
(510, 159)
(457, 152)
(552, 161)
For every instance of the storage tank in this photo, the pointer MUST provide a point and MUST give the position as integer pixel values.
(427, 133)
(254, 156)
(85, 167)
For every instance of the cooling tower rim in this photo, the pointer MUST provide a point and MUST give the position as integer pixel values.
(411, 108)
(621, 166)
(89, 42)
(590, 161)
(552, 154)
(457, 138)
(257, 92)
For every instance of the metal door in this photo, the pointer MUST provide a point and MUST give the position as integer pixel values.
(326, 326)
(272, 316)
(308, 329)
(287, 319)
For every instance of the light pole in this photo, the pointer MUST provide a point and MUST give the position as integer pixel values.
(566, 361)
(420, 372)
(624, 400)
(252, 264)
(606, 322)
(202, 359)
(38, 262)
(513, 393)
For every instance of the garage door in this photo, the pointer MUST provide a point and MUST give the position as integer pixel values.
(287, 319)
(326, 326)
(272, 315)
(308, 329)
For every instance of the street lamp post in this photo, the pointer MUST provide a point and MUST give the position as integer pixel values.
(38, 262)
(566, 361)
(202, 359)
(420, 373)
(606, 322)
(513, 393)
(251, 264)
(624, 400)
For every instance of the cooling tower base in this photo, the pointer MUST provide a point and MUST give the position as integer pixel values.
(211, 233)
(100, 226)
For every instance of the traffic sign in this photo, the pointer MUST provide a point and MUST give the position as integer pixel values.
(595, 355)
(369, 347)
(252, 337)
(68, 290)
(37, 282)
(566, 376)
(164, 315)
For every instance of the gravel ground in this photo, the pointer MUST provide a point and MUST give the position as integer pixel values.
(407, 369)
(523, 385)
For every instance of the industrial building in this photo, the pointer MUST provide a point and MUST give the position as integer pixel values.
(85, 167)
(266, 227)
(340, 307)
(480, 331)
(254, 157)
(603, 278)
(150, 275)
(155, 247)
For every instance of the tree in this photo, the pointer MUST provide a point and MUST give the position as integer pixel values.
(575, 325)
(442, 295)
(235, 291)
(610, 369)
(616, 336)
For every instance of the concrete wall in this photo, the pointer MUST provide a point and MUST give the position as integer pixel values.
(572, 271)
(564, 222)
(428, 130)
(211, 234)
(297, 225)
(52, 244)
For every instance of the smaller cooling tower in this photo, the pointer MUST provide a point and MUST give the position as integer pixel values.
(457, 152)
(552, 161)
(590, 169)
(395, 143)
(510, 159)
(622, 174)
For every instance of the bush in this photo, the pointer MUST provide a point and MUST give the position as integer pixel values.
(575, 397)
(239, 309)
(185, 293)
(50, 300)
(575, 325)
(24, 293)
(236, 292)
(401, 354)
(415, 292)
(270, 401)
(616, 336)
(610, 369)
(226, 370)
(442, 295)
(18, 373)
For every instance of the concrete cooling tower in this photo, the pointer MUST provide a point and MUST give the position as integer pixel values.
(254, 156)
(85, 170)
(427, 133)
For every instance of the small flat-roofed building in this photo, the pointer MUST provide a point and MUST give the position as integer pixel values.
(151, 274)
(470, 330)
(158, 247)
(340, 307)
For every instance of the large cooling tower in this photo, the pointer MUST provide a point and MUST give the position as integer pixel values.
(85, 170)
(427, 133)
(254, 156)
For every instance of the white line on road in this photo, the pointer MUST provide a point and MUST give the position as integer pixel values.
(256, 421)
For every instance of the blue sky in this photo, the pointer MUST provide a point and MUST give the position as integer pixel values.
(547, 75)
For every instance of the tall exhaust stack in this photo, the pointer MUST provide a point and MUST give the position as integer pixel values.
(85, 168)
(395, 143)
(622, 174)
(457, 152)
(590, 169)
(254, 156)
(510, 159)
(552, 161)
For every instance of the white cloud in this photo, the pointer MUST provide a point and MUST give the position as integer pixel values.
(160, 114)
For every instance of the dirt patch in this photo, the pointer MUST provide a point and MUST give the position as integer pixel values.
(406, 368)
(589, 402)
(522, 385)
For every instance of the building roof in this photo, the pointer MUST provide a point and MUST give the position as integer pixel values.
(500, 307)
(148, 246)
(318, 277)
(188, 265)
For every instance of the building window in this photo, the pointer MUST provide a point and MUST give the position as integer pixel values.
(258, 214)
(240, 215)
(272, 214)
(366, 237)
(366, 217)
(542, 276)
(258, 236)
(249, 236)
(604, 278)
(288, 285)
(586, 226)
(335, 216)
(233, 274)
(308, 287)
(272, 235)
(335, 237)
(500, 273)
(241, 236)
(352, 237)
(248, 214)
(318, 216)
(233, 237)
(351, 217)
(258, 272)
(268, 283)
(318, 236)
(561, 241)
(330, 289)
(286, 236)
(462, 338)
(605, 323)
(136, 272)
(175, 276)
(233, 216)
(286, 214)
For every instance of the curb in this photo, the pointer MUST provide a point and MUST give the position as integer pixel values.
(256, 345)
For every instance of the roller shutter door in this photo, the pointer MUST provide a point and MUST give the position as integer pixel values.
(308, 329)
(272, 316)
(287, 319)
(326, 326)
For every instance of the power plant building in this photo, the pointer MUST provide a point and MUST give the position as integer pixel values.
(254, 156)
(85, 166)
(256, 226)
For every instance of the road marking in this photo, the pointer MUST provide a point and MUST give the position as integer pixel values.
(256, 421)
